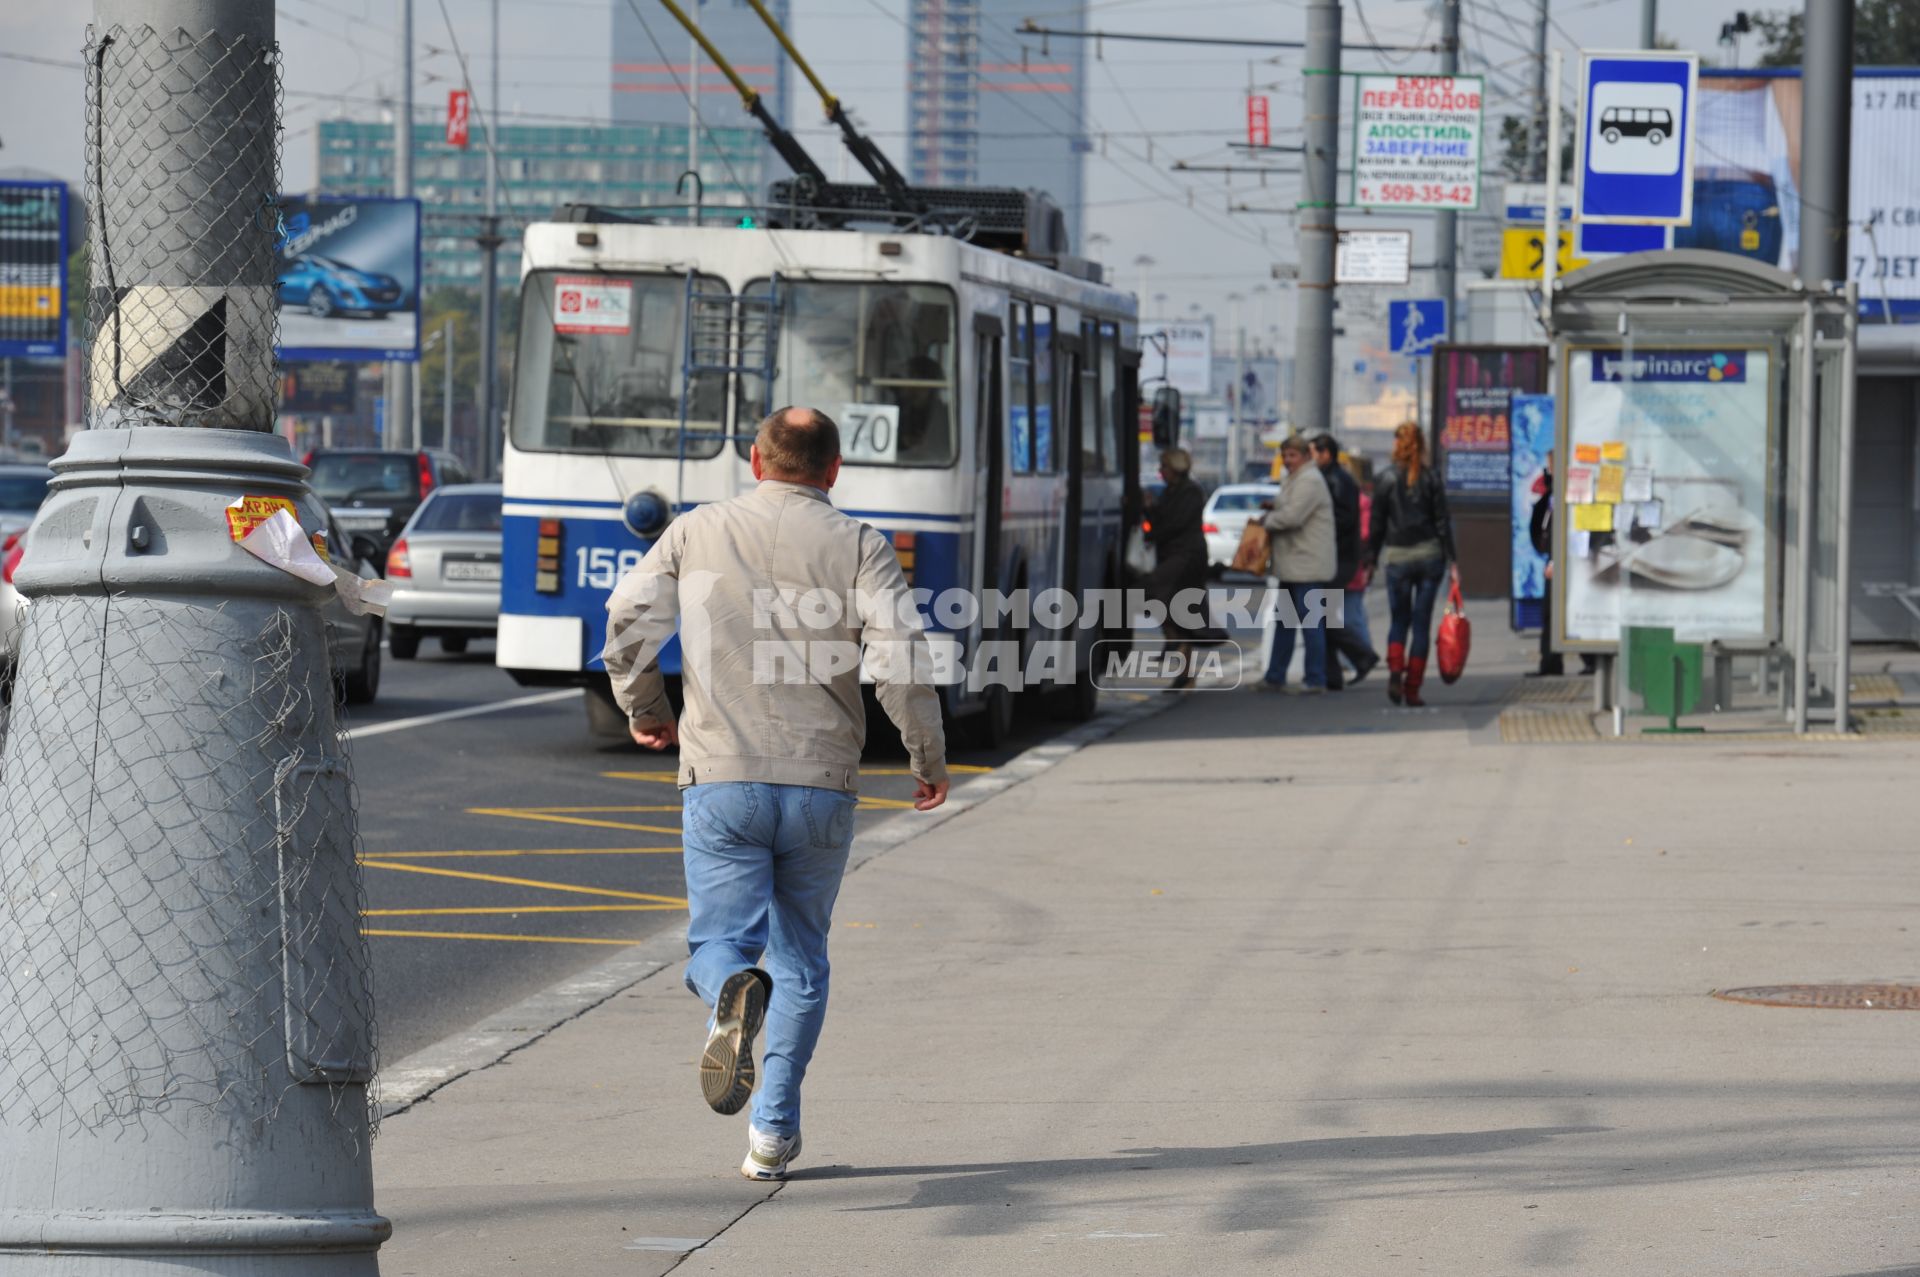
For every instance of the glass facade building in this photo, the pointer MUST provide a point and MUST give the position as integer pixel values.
(984, 109)
(542, 166)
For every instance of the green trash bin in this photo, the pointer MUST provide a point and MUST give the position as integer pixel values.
(1666, 674)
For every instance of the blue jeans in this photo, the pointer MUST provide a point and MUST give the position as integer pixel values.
(764, 864)
(1315, 634)
(1411, 591)
(1357, 616)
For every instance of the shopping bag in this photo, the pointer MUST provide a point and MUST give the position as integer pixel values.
(1254, 550)
(1140, 556)
(1456, 634)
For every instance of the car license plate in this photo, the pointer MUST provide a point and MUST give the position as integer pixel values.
(375, 521)
(470, 571)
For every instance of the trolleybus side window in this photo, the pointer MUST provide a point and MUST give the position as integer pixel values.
(599, 367)
(1114, 431)
(876, 357)
(1093, 427)
(1020, 390)
(1044, 460)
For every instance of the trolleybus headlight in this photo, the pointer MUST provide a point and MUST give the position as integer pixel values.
(646, 513)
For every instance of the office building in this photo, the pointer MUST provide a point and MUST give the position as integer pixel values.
(542, 166)
(656, 66)
(986, 108)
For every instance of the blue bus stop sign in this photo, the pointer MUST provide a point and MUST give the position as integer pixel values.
(1414, 327)
(1636, 138)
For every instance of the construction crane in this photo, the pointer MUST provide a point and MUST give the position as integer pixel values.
(898, 193)
(784, 142)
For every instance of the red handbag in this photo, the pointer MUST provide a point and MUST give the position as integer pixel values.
(1455, 639)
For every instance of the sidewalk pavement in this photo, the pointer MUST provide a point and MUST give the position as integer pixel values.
(1264, 985)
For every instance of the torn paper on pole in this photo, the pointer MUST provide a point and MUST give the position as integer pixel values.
(281, 541)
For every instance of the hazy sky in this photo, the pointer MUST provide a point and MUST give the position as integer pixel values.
(1154, 104)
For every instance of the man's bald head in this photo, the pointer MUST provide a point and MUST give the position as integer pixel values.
(798, 445)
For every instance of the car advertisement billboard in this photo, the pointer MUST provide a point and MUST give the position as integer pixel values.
(1746, 179)
(33, 269)
(349, 283)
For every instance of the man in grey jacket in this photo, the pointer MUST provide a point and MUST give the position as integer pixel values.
(778, 596)
(1304, 551)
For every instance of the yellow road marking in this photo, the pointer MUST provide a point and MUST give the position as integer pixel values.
(494, 811)
(869, 804)
(484, 909)
(662, 778)
(482, 935)
(553, 818)
(526, 882)
(544, 851)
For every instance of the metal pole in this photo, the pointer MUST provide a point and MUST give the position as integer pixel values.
(1541, 121)
(693, 106)
(1239, 419)
(446, 388)
(188, 1037)
(1446, 226)
(1824, 173)
(1649, 20)
(1550, 258)
(1843, 522)
(1318, 224)
(1805, 456)
(6, 407)
(403, 389)
(490, 240)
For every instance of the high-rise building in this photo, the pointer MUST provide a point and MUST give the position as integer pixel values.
(542, 166)
(656, 65)
(984, 109)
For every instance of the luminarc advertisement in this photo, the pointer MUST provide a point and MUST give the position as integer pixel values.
(1664, 513)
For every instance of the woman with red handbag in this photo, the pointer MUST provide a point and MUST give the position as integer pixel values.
(1412, 538)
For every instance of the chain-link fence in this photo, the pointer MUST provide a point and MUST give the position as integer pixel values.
(182, 897)
(183, 176)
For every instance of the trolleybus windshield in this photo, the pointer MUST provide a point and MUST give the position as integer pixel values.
(877, 357)
(599, 368)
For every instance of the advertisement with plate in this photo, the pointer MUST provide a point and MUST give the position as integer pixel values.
(1663, 478)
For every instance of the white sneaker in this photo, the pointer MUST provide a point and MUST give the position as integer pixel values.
(726, 1066)
(768, 1155)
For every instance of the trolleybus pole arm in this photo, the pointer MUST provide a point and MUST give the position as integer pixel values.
(784, 142)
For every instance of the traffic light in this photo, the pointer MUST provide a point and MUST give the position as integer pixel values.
(1166, 417)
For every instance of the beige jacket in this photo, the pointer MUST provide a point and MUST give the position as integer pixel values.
(1304, 549)
(776, 594)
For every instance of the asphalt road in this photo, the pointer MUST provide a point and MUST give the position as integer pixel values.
(505, 850)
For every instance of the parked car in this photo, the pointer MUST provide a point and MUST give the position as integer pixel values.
(373, 493)
(445, 570)
(1225, 517)
(22, 489)
(353, 642)
(328, 287)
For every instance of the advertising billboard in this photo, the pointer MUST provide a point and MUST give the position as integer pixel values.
(319, 389)
(1178, 355)
(349, 283)
(1473, 390)
(1746, 179)
(1665, 512)
(1416, 141)
(1531, 467)
(33, 269)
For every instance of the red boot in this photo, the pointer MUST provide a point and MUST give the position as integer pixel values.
(1396, 670)
(1416, 675)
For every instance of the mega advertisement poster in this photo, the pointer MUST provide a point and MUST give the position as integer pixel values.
(1531, 470)
(1746, 179)
(33, 269)
(350, 280)
(1665, 510)
(1473, 390)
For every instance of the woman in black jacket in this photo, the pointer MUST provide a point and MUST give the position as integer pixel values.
(1412, 537)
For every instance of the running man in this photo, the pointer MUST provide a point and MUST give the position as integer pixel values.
(776, 594)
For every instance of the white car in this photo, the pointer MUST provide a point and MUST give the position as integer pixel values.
(1226, 515)
(22, 489)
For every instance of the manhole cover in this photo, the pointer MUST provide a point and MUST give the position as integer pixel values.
(1832, 997)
